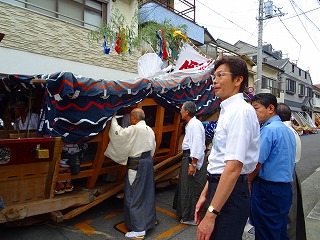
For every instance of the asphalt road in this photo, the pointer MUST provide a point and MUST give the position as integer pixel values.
(105, 221)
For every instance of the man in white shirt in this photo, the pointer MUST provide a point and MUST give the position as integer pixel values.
(134, 146)
(296, 223)
(234, 154)
(25, 119)
(192, 177)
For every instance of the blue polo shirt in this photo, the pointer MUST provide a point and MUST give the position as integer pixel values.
(277, 151)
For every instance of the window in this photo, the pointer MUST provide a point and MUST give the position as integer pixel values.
(291, 86)
(305, 75)
(309, 92)
(292, 67)
(267, 83)
(88, 13)
(301, 90)
(277, 88)
(254, 58)
(276, 92)
(299, 72)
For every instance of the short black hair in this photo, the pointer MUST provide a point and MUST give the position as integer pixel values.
(191, 107)
(21, 100)
(238, 67)
(266, 99)
(284, 112)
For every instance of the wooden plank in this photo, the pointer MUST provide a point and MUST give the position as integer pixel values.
(175, 135)
(50, 184)
(167, 171)
(163, 150)
(67, 176)
(109, 169)
(48, 205)
(56, 171)
(147, 102)
(159, 125)
(23, 190)
(168, 160)
(24, 183)
(23, 171)
(38, 81)
(120, 187)
(97, 200)
(169, 128)
(99, 158)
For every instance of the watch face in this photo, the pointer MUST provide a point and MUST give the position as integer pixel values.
(210, 209)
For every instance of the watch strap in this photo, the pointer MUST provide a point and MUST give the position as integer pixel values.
(212, 210)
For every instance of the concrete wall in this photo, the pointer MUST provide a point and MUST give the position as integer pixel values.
(28, 34)
(154, 12)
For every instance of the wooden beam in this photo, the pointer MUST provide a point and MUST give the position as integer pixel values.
(97, 200)
(1, 36)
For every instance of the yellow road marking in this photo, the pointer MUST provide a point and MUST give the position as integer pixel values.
(88, 230)
(170, 232)
(110, 216)
(85, 227)
(169, 213)
(122, 227)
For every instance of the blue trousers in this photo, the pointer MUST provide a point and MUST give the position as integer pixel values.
(270, 204)
(235, 212)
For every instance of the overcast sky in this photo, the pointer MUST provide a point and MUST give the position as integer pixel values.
(296, 34)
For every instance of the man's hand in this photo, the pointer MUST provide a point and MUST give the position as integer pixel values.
(191, 170)
(114, 115)
(206, 226)
(200, 203)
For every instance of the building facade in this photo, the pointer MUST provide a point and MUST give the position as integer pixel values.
(292, 85)
(316, 105)
(47, 36)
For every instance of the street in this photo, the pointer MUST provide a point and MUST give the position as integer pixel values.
(105, 221)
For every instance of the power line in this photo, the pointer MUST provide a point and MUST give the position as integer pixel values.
(293, 3)
(292, 37)
(302, 13)
(222, 16)
(251, 33)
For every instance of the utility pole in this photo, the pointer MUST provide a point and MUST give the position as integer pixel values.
(259, 54)
(266, 11)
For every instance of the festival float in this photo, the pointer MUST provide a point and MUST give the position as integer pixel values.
(303, 123)
(78, 109)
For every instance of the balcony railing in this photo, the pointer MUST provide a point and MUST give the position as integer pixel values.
(189, 7)
(316, 102)
(159, 11)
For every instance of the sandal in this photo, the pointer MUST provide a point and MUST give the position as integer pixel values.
(59, 188)
(69, 187)
(135, 235)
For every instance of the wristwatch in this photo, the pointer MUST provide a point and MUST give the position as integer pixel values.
(212, 210)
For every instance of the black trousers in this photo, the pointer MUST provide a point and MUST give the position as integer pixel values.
(230, 223)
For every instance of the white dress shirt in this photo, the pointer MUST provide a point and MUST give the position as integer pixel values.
(31, 122)
(237, 136)
(194, 140)
(298, 140)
